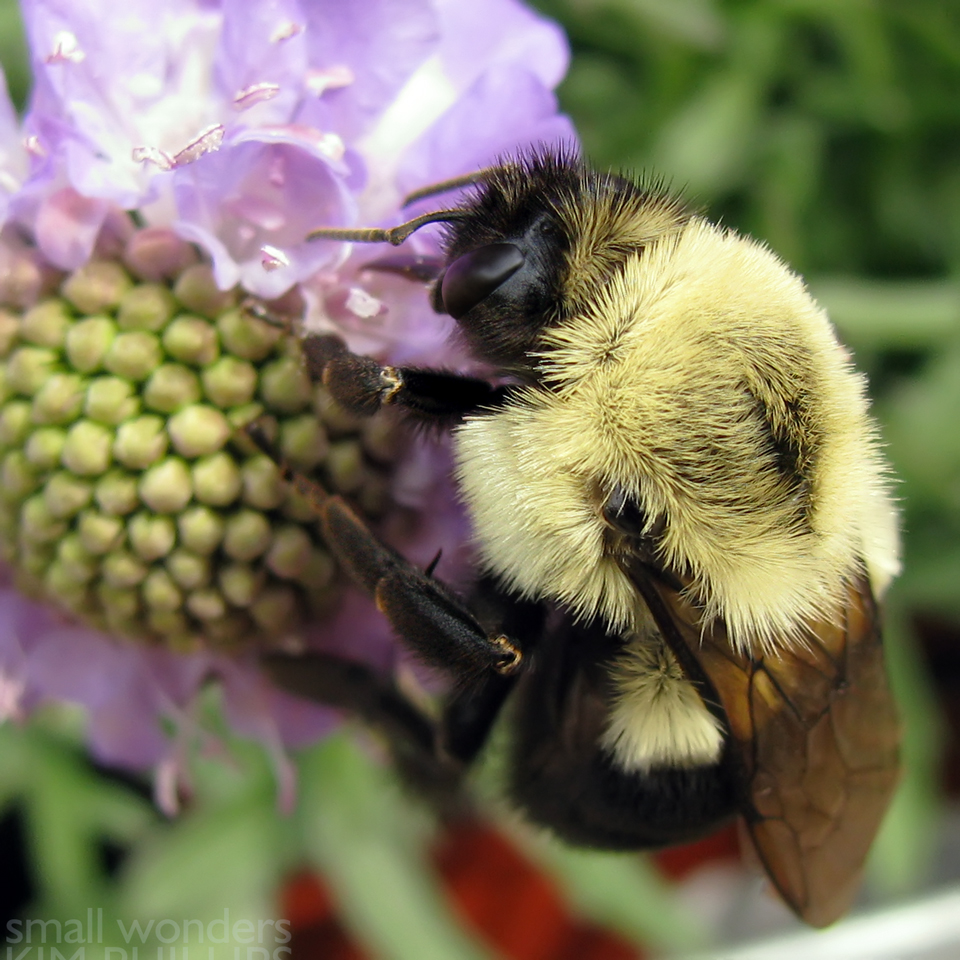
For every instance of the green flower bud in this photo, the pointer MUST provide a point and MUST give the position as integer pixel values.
(166, 487)
(228, 630)
(59, 400)
(318, 571)
(207, 547)
(87, 450)
(79, 564)
(116, 493)
(134, 355)
(201, 529)
(88, 342)
(247, 535)
(206, 604)
(285, 386)
(29, 368)
(247, 336)
(37, 523)
(151, 536)
(197, 291)
(146, 307)
(263, 487)
(344, 465)
(140, 442)
(188, 569)
(275, 609)
(159, 592)
(9, 331)
(35, 558)
(297, 507)
(241, 417)
(121, 568)
(191, 340)
(303, 443)
(216, 480)
(14, 423)
(96, 286)
(290, 552)
(60, 584)
(99, 533)
(120, 605)
(170, 387)
(174, 629)
(198, 430)
(240, 583)
(111, 400)
(230, 382)
(17, 476)
(66, 495)
(45, 325)
(44, 447)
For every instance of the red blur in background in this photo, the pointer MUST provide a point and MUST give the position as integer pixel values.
(512, 907)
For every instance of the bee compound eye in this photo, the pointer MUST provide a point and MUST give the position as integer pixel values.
(471, 278)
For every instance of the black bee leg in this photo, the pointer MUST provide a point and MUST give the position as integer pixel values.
(354, 687)
(363, 386)
(429, 617)
(470, 713)
(412, 737)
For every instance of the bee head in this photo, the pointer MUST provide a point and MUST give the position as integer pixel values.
(533, 246)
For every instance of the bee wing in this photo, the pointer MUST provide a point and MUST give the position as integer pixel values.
(819, 740)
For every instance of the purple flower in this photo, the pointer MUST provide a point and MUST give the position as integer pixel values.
(238, 126)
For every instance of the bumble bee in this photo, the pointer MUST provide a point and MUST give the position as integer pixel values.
(683, 520)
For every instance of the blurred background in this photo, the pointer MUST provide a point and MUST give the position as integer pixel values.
(828, 128)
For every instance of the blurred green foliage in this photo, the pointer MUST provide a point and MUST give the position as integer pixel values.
(829, 128)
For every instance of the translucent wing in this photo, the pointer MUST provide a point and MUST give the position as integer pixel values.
(819, 740)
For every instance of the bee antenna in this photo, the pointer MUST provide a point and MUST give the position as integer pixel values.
(445, 186)
(392, 235)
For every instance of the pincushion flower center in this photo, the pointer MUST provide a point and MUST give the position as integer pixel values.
(132, 497)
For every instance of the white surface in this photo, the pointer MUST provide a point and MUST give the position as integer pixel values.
(927, 929)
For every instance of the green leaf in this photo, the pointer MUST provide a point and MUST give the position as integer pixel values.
(891, 315)
(361, 834)
(624, 892)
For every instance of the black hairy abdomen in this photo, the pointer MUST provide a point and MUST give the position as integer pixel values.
(564, 781)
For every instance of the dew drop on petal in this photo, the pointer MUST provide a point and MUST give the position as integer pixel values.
(272, 258)
(66, 49)
(286, 31)
(254, 94)
(207, 141)
(362, 305)
(330, 145)
(318, 82)
(34, 147)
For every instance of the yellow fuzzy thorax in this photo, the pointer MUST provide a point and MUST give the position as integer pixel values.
(702, 347)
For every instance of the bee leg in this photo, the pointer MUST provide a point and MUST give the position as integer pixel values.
(363, 386)
(470, 714)
(432, 620)
(412, 737)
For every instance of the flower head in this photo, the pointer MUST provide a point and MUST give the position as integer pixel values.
(135, 349)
